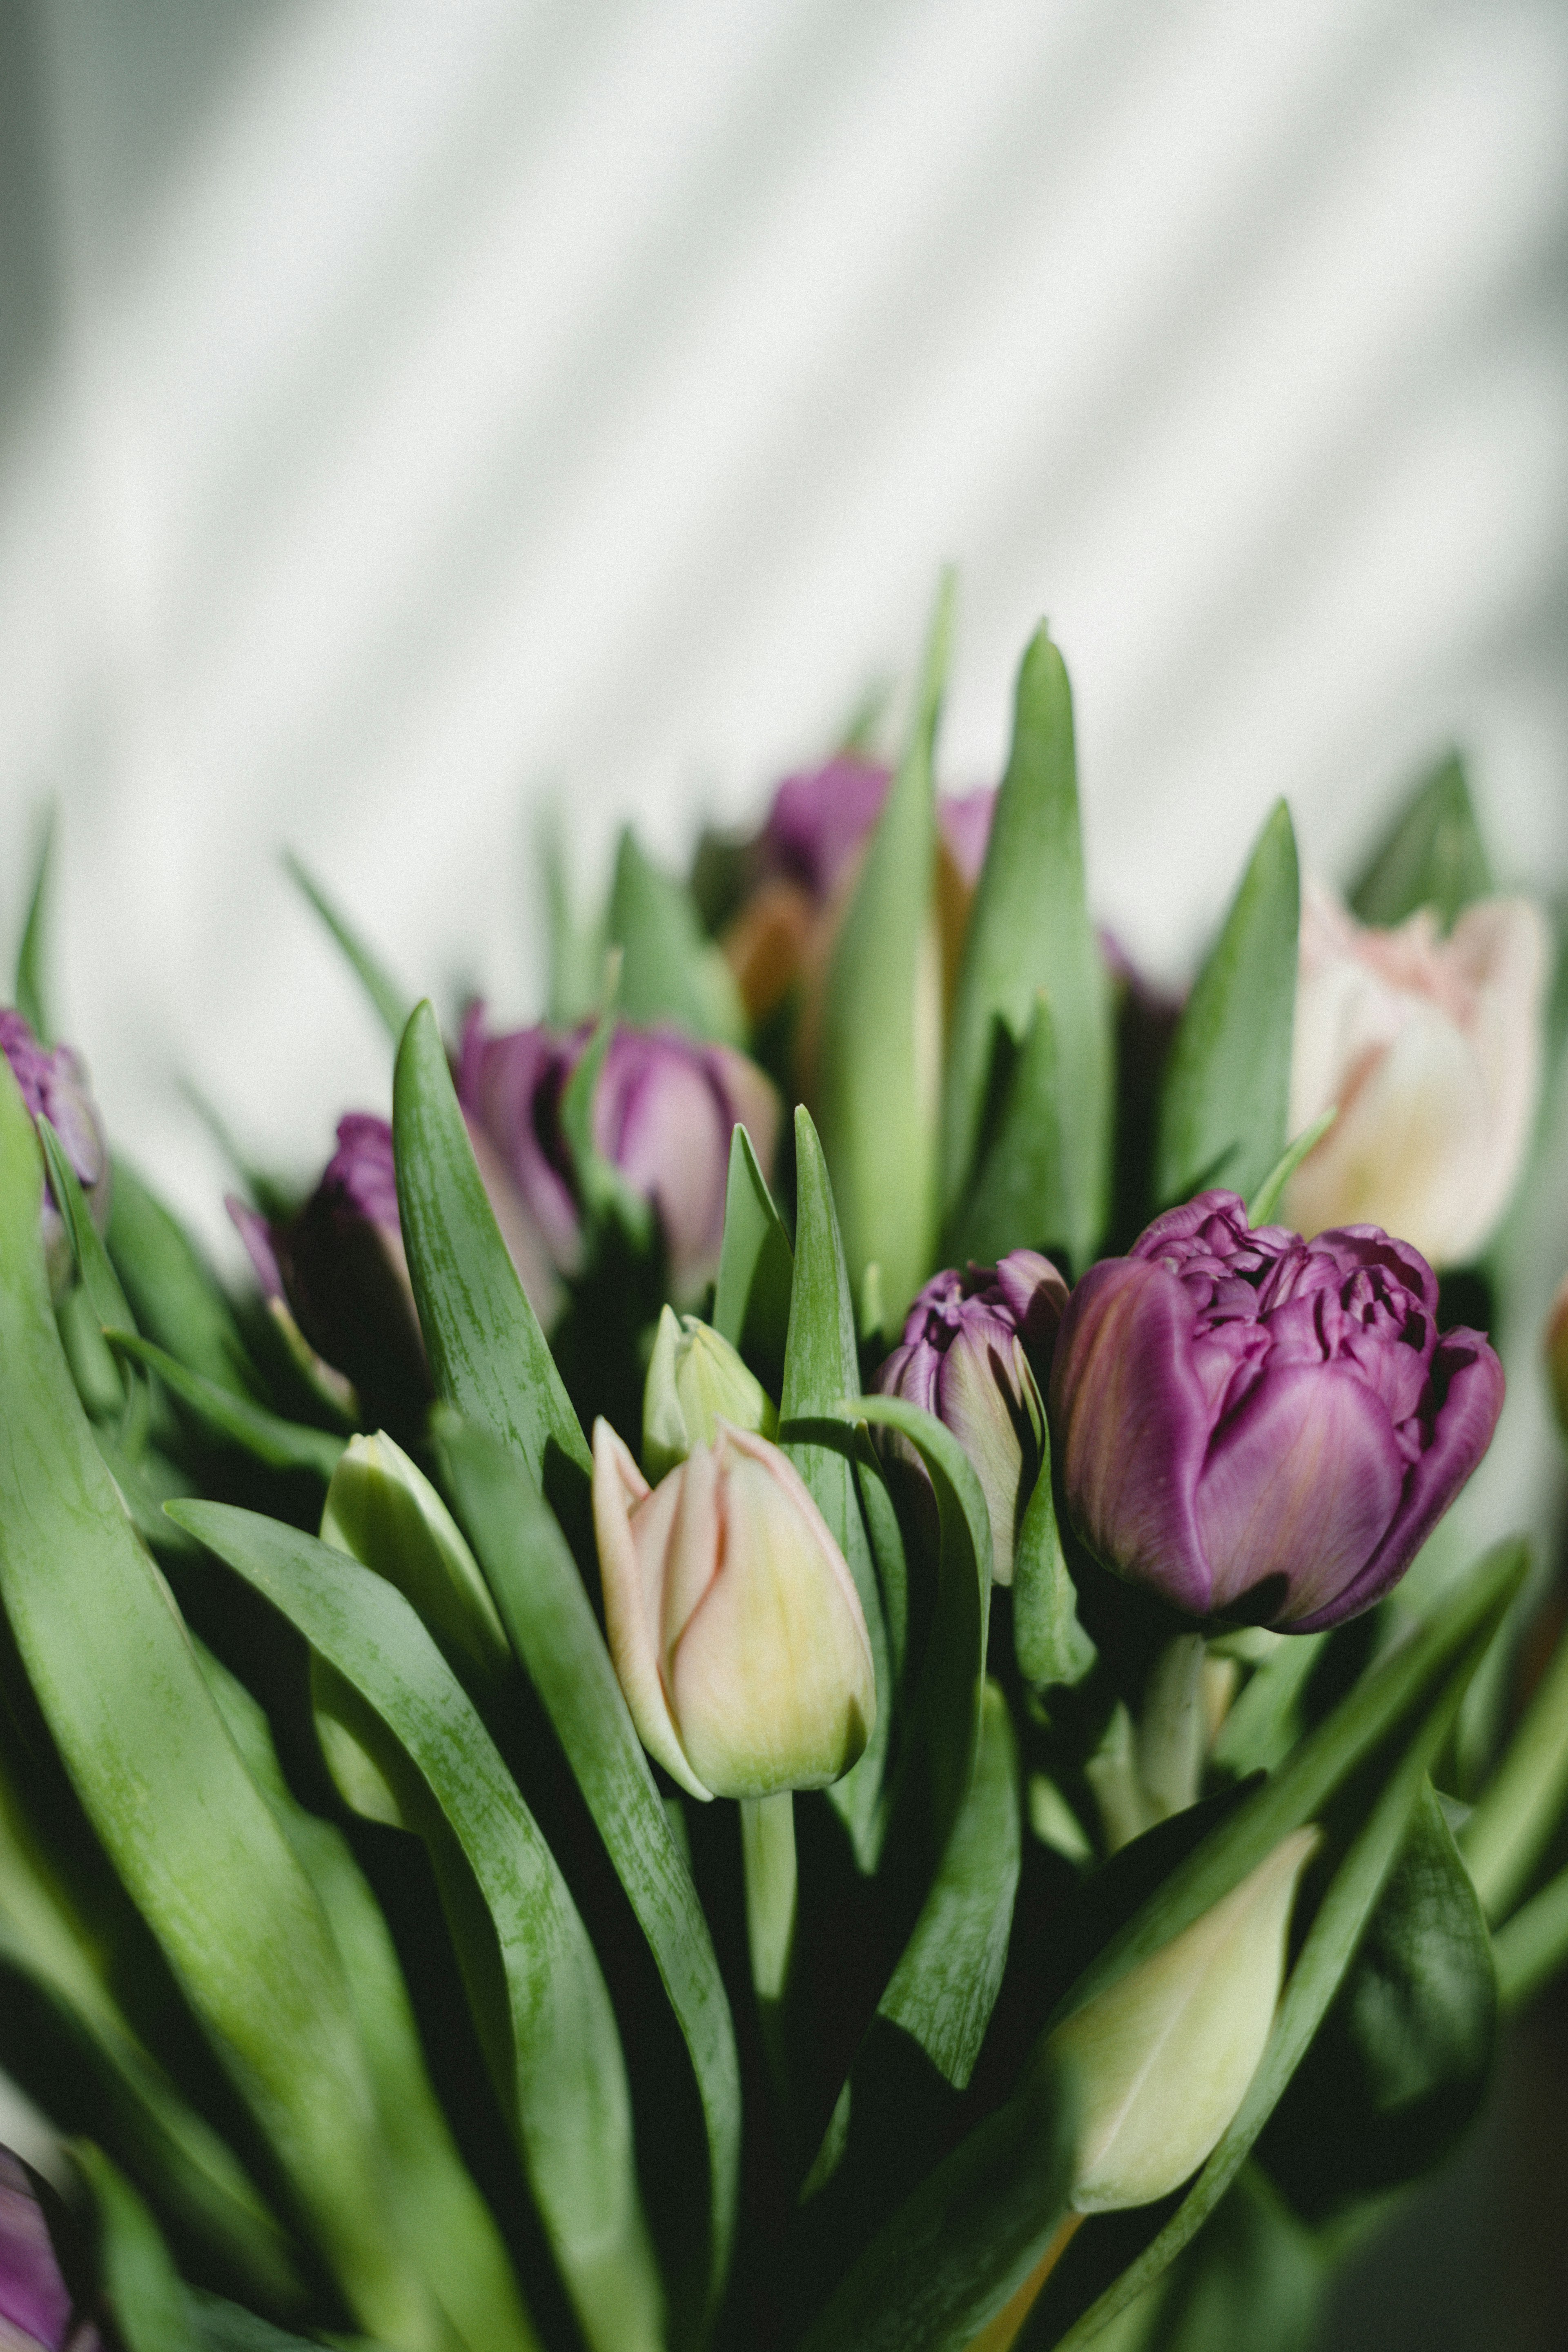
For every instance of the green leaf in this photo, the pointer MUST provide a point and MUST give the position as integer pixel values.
(387, 1001)
(1228, 1083)
(1267, 1199)
(1520, 1810)
(446, 2222)
(671, 971)
(1432, 855)
(575, 949)
(1051, 1644)
(553, 1628)
(144, 2291)
(547, 2028)
(45, 1939)
(182, 1823)
(756, 1268)
(879, 1056)
(1019, 1200)
(963, 2244)
(600, 1185)
(1251, 2277)
(1061, 2317)
(488, 1355)
(945, 1985)
(1031, 935)
(31, 990)
(1403, 2059)
(1395, 1691)
(94, 1271)
(231, 1419)
(174, 1296)
(225, 2328)
(1531, 1949)
(820, 1367)
(1263, 1724)
(936, 1764)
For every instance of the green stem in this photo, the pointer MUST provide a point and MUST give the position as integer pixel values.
(1520, 1807)
(1171, 1729)
(767, 1848)
(1534, 1944)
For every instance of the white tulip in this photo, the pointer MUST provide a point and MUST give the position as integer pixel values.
(1432, 1049)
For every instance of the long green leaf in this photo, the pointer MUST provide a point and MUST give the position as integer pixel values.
(672, 970)
(963, 2244)
(1520, 1809)
(1051, 1644)
(945, 1985)
(820, 1368)
(756, 1267)
(447, 2223)
(232, 1419)
(31, 988)
(184, 1825)
(1432, 855)
(174, 1296)
(144, 2291)
(389, 1002)
(1030, 933)
(879, 1069)
(1228, 1084)
(551, 1625)
(553, 2049)
(1019, 1197)
(488, 1355)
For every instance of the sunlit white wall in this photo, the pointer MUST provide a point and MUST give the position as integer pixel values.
(414, 413)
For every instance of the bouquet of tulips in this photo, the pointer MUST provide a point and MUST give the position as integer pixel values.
(759, 1693)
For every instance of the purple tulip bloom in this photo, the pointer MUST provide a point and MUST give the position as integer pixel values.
(664, 1107)
(56, 1084)
(37, 2310)
(972, 1345)
(820, 821)
(1258, 1427)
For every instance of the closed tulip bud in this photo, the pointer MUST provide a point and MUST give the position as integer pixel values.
(383, 1510)
(695, 1381)
(1259, 1427)
(966, 1357)
(1162, 2061)
(732, 1619)
(1431, 1047)
(663, 1111)
(38, 2312)
(53, 1082)
(1557, 1354)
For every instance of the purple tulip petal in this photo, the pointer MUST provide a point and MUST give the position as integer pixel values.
(34, 2297)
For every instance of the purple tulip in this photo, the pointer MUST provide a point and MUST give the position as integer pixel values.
(1258, 1427)
(664, 1107)
(971, 1344)
(56, 1084)
(37, 2310)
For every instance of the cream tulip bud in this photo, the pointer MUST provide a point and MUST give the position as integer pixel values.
(732, 1619)
(1431, 1048)
(1163, 2060)
(695, 1381)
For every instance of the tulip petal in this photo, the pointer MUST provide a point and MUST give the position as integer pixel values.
(1131, 1421)
(630, 1622)
(1300, 1485)
(1468, 1381)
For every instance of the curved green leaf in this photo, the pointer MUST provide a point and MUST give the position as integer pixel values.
(176, 1298)
(1051, 1644)
(144, 2291)
(1432, 855)
(31, 990)
(756, 1267)
(233, 1420)
(551, 1621)
(188, 1832)
(386, 999)
(672, 970)
(1018, 1196)
(552, 2045)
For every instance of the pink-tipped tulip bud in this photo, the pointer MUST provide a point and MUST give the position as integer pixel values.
(38, 2312)
(732, 1619)
(664, 1107)
(1557, 1354)
(55, 1083)
(975, 1347)
(1259, 1427)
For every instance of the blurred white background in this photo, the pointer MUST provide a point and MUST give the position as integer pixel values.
(411, 414)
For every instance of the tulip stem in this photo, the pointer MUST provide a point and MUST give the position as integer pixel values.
(767, 1848)
(1521, 1804)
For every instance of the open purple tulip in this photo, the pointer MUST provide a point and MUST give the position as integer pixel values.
(53, 1081)
(37, 2310)
(1261, 1427)
(972, 1343)
(664, 1107)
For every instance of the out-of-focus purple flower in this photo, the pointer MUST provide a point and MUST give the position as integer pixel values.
(972, 1345)
(37, 2310)
(55, 1082)
(1255, 1425)
(664, 1107)
(340, 1271)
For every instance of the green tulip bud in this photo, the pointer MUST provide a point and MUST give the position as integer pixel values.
(732, 1618)
(1163, 2060)
(695, 1381)
(382, 1509)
